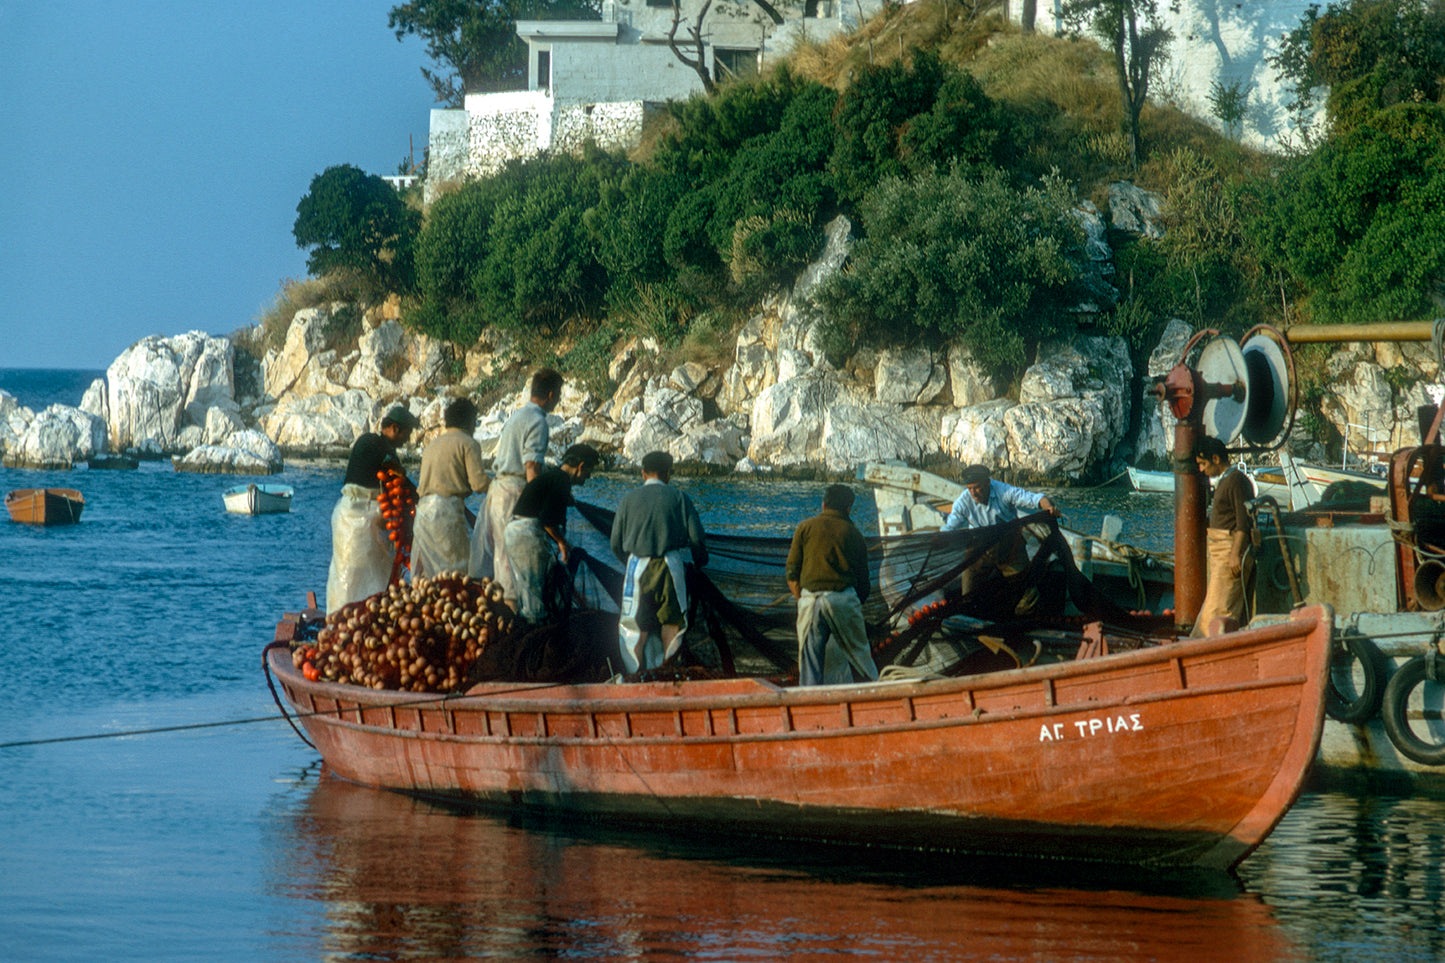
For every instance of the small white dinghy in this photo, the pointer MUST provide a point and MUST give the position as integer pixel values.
(254, 499)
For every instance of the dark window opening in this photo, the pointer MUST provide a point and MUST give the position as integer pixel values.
(728, 64)
(544, 70)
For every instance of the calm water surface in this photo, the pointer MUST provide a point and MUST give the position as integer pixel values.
(230, 842)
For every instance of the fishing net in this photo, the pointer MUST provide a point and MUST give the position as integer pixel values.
(742, 618)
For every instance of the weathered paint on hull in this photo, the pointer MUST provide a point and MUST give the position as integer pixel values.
(1180, 754)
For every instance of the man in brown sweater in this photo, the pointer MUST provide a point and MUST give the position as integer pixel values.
(451, 469)
(827, 573)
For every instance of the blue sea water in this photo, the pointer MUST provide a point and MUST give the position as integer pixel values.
(183, 820)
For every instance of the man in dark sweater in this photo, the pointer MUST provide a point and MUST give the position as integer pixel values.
(1231, 571)
(656, 532)
(827, 573)
(539, 522)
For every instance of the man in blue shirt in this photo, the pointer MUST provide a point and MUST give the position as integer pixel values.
(987, 502)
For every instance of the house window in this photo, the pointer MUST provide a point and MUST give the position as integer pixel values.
(728, 63)
(659, 3)
(544, 70)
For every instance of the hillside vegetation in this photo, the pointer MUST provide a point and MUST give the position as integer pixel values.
(958, 148)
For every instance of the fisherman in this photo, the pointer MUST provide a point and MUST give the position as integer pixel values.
(1231, 570)
(827, 573)
(656, 532)
(451, 469)
(539, 522)
(361, 554)
(984, 502)
(520, 457)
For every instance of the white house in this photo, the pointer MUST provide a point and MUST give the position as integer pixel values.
(597, 79)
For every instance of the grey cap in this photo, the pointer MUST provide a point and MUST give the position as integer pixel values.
(401, 415)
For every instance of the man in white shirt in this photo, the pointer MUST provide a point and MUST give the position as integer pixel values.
(986, 502)
(520, 457)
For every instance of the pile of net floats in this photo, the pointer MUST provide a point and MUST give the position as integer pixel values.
(424, 636)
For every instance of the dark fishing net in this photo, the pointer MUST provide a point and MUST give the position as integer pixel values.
(741, 606)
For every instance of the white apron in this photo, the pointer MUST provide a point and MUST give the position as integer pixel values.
(645, 650)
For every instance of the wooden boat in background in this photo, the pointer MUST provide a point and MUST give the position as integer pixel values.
(1186, 753)
(45, 506)
(254, 499)
(1150, 481)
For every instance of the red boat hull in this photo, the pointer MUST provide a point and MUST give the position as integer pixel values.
(1186, 753)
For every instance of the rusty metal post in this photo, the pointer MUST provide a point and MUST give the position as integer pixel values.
(1184, 392)
(1191, 520)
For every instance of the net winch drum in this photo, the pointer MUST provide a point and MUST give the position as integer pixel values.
(1258, 407)
(1430, 586)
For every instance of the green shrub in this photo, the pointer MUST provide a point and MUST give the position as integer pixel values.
(1360, 223)
(948, 256)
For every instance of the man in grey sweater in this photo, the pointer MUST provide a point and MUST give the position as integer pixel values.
(656, 532)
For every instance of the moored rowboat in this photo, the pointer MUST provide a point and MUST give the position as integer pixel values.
(254, 499)
(1186, 753)
(45, 506)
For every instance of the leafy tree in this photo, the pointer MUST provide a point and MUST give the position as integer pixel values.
(513, 250)
(949, 256)
(1360, 223)
(474, 43)
(1370, 54)
(1139, 43)
(356, 221)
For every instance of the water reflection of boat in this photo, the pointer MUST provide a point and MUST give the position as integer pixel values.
(394, 877)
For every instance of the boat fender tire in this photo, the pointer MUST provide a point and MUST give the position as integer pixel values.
(1366, 703)
(1397, 699)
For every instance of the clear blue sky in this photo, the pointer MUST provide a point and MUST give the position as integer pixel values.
(152, 153)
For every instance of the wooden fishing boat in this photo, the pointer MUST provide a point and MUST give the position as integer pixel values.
(45, 506)
(1179, 754)
(1267, 481)
(254, 499)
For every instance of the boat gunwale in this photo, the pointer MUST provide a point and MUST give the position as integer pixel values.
(858, 693)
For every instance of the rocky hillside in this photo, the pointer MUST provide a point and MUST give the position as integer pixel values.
(1079, 414)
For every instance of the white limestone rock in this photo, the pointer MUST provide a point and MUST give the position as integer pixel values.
(14, 419)
(856, 434)
(58, 437)
(395, 362)
(977, 435)
(970, 382)
(305, 338)
(908, 376)
(156, 383)
(246, 453)
(1132, 208)
(321, 423)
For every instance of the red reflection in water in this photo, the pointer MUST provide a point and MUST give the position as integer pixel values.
(395, 878)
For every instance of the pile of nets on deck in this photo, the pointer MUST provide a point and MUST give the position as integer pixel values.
(742, 617)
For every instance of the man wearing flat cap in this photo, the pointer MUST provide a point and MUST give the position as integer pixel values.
(984, 502)
(361, 554)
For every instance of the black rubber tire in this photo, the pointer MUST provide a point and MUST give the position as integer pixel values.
(1366, 703)
(1392, 714)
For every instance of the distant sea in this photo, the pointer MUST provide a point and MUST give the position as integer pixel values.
(39, 388)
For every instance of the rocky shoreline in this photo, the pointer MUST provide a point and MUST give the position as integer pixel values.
(776, 407)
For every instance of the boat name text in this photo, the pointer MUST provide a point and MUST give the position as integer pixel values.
(1092, 727)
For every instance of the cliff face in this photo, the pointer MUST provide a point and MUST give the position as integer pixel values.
(1081, 412)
